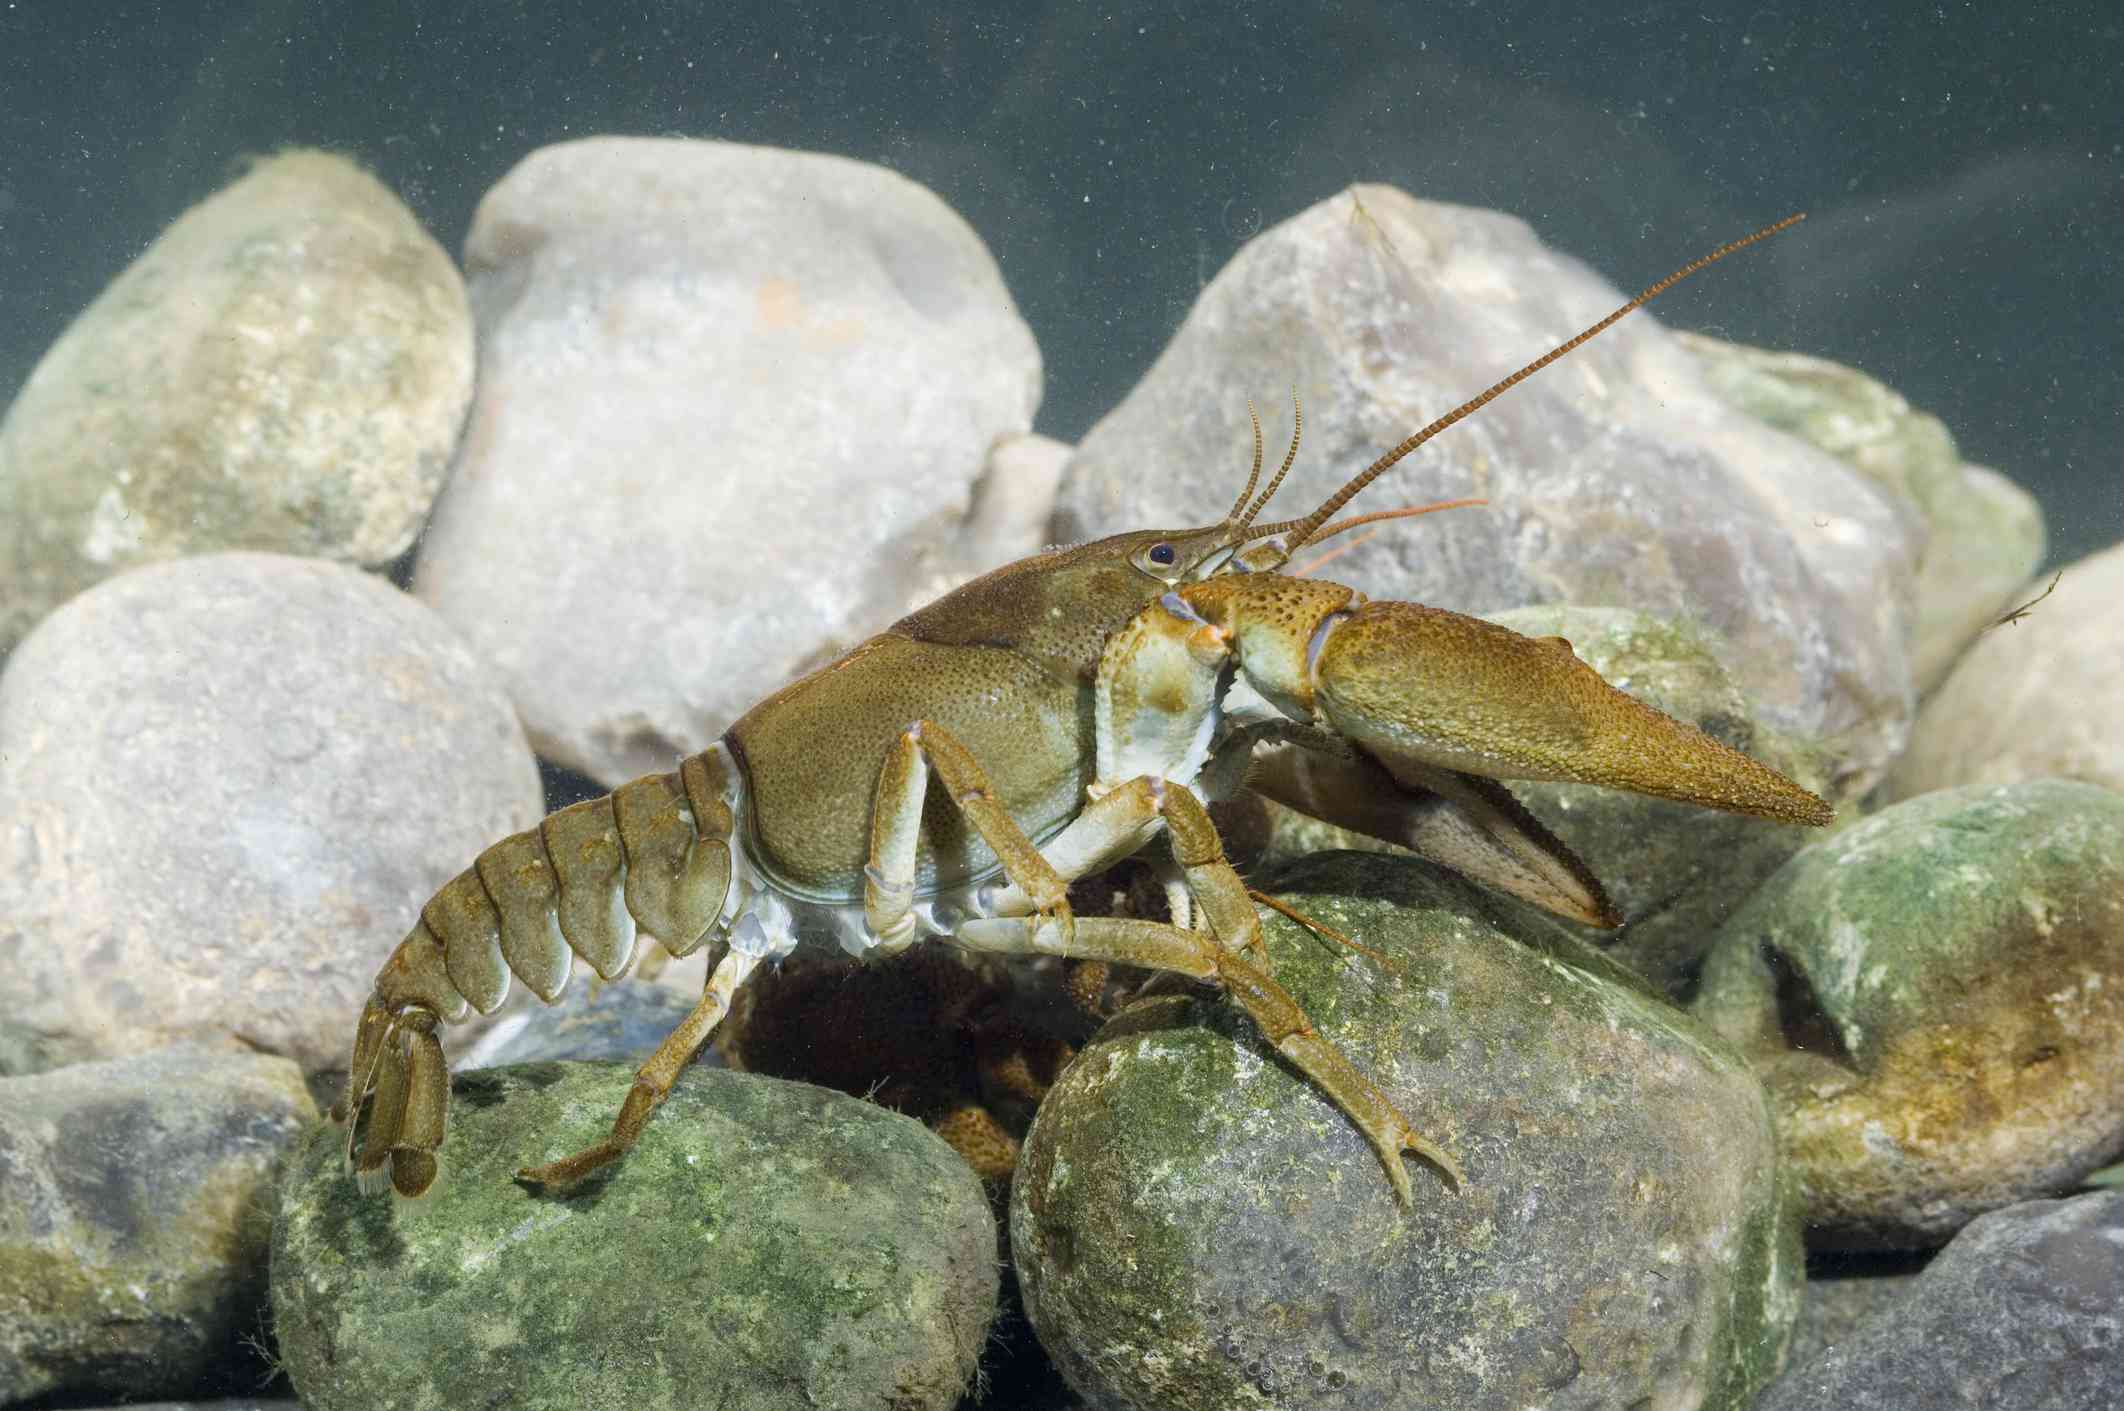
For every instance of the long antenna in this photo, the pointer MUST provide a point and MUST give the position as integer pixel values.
(1306, 528)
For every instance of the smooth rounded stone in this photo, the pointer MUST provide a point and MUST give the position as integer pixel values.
(1984, 533)
(227, 785)
(733, 402)
(2022, 1311)
(285, 368)
(1676, 871)
(1935, 999)
(1012, 504)
(765, 1245)
(2031, 698)
(1617, 476)
(133, 1233)
(1195, 1226)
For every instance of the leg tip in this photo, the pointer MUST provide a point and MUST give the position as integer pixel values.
(1440, 1158)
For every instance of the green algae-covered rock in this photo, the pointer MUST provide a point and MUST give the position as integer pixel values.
(1935, 999)
(766, 1245)
(1194, 1226)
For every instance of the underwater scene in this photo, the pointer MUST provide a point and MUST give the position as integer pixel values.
(1056, 708)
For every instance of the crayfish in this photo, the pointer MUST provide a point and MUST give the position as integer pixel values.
(951, 776)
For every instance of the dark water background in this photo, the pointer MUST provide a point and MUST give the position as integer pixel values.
(1961, 161)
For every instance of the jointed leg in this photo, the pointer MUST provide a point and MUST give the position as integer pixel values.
(1158, 945)
(1111, 827)
(653, 1080)
(895, 827)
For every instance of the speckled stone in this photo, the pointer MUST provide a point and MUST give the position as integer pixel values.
(134, 1222)
(240, 1403)
(1618, 476)
(1935, 999)
(1984, 534)
(227, 784)
(2023, 1311)
(766, 1245)
(285, 368)
(1194, 1226)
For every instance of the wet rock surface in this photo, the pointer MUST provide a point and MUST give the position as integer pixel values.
(733, 403)
(1935, 999)
(134, 1227)
(766, 1245)
(1984, 534)
(1195, 1226)
(227, 784)
(2032, 698)
(285, 368)
(617, 357)
(2022, 1311)
(1838, 1304)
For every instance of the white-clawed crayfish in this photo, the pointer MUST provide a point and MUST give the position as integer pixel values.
(952, 775)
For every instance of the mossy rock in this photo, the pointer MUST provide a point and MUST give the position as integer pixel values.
(766, 1245)
(1935, 999)
(1194, 1226)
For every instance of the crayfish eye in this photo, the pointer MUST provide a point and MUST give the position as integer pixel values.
(1163, 555)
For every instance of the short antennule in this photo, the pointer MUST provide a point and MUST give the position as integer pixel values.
(1308, 527)
(1239, 514)
(1289, 458)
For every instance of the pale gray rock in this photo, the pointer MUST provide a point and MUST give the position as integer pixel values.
(1935, 999)
(733, 402)
(1194, 1225)
(2023, 1311)
(227, 785)
(2031, 698)
(285, 368)
(134, 1232)
(1617, 477)
(1012, 504)
(1984, 534)
(767, 1245)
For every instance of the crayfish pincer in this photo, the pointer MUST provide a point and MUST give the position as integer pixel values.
(952, 776)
